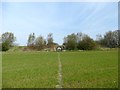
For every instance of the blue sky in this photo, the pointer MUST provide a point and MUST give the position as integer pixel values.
(60, 18)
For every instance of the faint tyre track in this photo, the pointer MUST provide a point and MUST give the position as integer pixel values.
(59, 72)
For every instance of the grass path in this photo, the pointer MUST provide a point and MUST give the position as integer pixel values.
(59, 72)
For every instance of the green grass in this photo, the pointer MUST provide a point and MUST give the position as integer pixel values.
(0, 70)
(16, 49)
(83, 69)
(29, 70)
(96, 69)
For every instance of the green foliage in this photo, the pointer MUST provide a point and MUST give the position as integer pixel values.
(87, 44)
(71, 42)
(110, 39)
(79, 41)
(7, 39)
(119, 38)
(5, 46)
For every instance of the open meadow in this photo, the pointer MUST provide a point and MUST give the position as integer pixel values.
(79, 69)
(29, 70)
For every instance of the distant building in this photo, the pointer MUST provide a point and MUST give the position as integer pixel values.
(58, 48)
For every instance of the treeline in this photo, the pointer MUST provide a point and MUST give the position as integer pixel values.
(79, 41)
(111, 39)
(82, 41)
(40, 43)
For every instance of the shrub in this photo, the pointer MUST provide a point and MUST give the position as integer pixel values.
(87, 44)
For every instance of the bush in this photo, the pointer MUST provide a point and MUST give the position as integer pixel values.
(87, 44)
(5, 46)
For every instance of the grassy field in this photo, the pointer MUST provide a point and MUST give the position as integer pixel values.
(29, 70)
(95, 69)
(0, 70)
(83, 69)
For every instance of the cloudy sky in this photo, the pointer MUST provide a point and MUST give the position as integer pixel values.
(59, 18)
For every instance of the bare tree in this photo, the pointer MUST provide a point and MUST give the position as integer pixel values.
(31, 40)
(50, 40)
